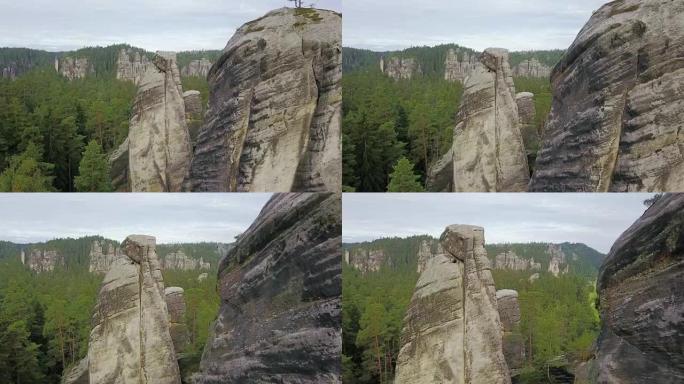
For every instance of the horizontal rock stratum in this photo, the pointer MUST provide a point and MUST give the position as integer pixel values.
(617, 112)
(280, 289)
(273, 122)
(452, 333)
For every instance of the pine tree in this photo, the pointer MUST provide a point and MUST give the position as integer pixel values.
(93, 170)
(403, 179)
(26, 172)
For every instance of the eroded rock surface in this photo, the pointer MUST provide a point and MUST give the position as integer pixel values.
(488, 150)
(130, 341)
(131, 65)
(452, 332)
(197, 68)
(178, 329)
(616, 118)
(532, 68)
(74, 67)
(280, 287)
(78, 374)
(400, 67)
(193, 112)
(273, 122)
(41, 259)
(642, 310)
(530, 134)
(365, 260)
(441, 174)
(118, 171)
(513, 343)
(179, 260)
(102, 255)
(510, 260)
(159, 151)
(459, 65)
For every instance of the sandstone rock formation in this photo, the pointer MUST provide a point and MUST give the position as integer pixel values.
(400, 67)
(193, 113)
(130, 341)
(202, 277)
(74, 67)
(118, 171)
(178, 329)
(131, 65)
(510, 260)
(365, 260)
(159, 149)
(78, 374)
(102, 255)
(642, 311)
(424, 254)
(452, 332)
(179, 260)
(530, 134)
(197, 68)
(513, 342)
(457, 69)
(557, 261)
(441, 174)
(615, 121)
(532, 68)
(273, 122)
(280, 287)
(41, 260)
(488, 150)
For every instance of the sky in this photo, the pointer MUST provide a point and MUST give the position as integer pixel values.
(595, 219)
(170, 25)
(170, 217)
(383, 25)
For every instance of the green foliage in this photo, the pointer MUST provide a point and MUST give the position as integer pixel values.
(402, 178)
(384, 120)
(184, 58)
(549, 57)
(542, 97)
(93, 170)
(61, 115)
(359, 60)
(26, 173)
(198, 84)
(104, 59)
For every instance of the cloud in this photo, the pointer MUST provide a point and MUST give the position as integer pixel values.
(172, 25)
(594, 219)
(514, 24)
(170, 217)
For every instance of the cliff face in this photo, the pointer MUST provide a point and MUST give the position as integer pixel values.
(131, 65)
(273, 122)
(178, 330)
(280, 287)
(532, 68)
(510, 260)
(74, 67)
(615, 121)
(642, 312)
(130, 341)
(41, 260)
(179, 260)
(197, 68)
(457, 69)
(488, 150)
(193, 113)
(159, 149)
(513, 342)
(452, 331)
(400, 68)
(102, 255)
(365, 260)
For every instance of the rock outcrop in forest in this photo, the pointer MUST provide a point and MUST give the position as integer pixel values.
(130, 341)
(400, 68)
(642, 311)
(74, 67)
(179, 260)
(159, 149)
(458, 68)
(41, 260)
(511, 261)
(175, 305)
(488, 150)
(513, 342)
(452, 332)
(532, 68)
(197, 68)
(615, 121)
(131, 65)
(102, 255)
(273, 122)
(280, 288)
(194, 115)
(530, 134)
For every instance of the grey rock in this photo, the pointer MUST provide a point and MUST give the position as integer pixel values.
(77, 374)
(180, 261)
(400, 67)
(197, 68)
(178, 329)
(39, 259)
(365, 260)
(193, 113)
(513, 342)
(511, 261)
(488, 149)
(273, 119)
(130, 341)
(530, 134)
(159, 149)
(74, 67)
(452, 332)
(642, 311)
(441, 174)
(280, 288)
(615, 121)
(102, 255)
(131, 65)
(459, 68)
(119, 172)
(532, 68)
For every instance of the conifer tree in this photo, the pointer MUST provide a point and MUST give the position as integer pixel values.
(93, 170)
(403, 179)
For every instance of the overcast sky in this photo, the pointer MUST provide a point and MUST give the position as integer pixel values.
(171, 218)
(594, 219)
(172, 25)
(383, 25)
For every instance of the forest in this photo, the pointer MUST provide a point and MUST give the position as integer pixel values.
(45, 318)
(397, 129)
(56, 134)
(559, 318)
